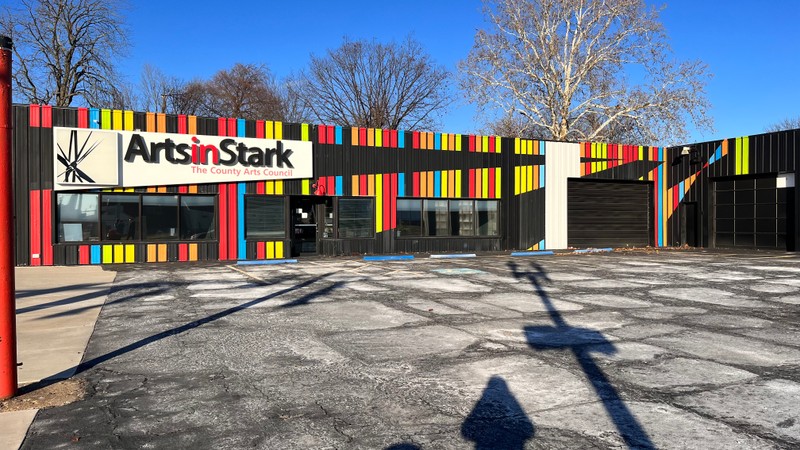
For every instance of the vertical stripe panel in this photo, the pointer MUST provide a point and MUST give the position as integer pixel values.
(401, 184)
(192, 252)
(162, 252)
(437, 183)
(279, 249)
(95, 254)
(35, 227)
(270, 250)
(378, 203)
(354, 185)
(458, 183)
(119, 253)
(108, 254)
(339, 185)
(242, 247)
(152, 254)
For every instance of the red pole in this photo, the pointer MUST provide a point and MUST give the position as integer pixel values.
(8, 318)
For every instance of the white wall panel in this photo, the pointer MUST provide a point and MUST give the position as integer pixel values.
(562, 160)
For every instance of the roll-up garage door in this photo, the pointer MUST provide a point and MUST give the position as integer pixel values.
(609, 213)
(749, 212)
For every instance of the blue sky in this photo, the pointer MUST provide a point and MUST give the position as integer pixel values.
(752, 48)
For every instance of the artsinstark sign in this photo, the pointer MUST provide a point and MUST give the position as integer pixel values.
(91, 159)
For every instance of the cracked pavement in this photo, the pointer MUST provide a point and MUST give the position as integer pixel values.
(621, 350)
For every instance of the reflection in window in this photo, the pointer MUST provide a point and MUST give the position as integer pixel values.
(435, 216)
(119, 217)
(488, 218)
(409, 217)
(462, 218)
(77, 217)
(197, 218)
(264, 217)
(355, 217)
(159, 217)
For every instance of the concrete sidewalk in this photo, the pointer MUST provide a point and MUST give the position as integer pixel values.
(56, 312)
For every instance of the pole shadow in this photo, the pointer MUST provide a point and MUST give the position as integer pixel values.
(582, 342)
(498, 422)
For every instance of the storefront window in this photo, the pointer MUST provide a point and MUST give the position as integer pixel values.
(265, 217)
(197, 218)
(119, 217)
(78, 218)
(409, 217)
(488, 217)
(462, 218)
(355, 218)
(159, 217)
(435, 216)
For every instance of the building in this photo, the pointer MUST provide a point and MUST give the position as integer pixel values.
(106, 186)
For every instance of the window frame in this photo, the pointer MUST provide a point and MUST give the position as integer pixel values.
(286, 218)
(103, 240)
(475, 234)
(337, 215)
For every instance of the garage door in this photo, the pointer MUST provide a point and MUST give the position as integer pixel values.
(609, 214)
(749, 212)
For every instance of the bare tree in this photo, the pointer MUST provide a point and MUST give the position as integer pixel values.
(65, 49)
(785, 124)
(247, 91)
(584, 70)
(368, 84)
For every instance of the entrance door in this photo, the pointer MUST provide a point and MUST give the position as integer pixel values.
(608, 213)
(750, 212)
(309, 217)
(689, 225)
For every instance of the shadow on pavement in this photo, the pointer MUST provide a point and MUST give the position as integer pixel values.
(497, 422)
(563, 336)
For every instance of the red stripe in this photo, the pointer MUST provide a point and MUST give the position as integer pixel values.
(675, 197)
(362, 181)
(472, 143)
(231, 127)
(34, 116)
(330, 185)
(183, 189)
(491, 182)
(387, 139)
(393, 201)
(183, 252)
(35, 227)
(387, 201)
(83, 254)
(221, 127)
(322, 136)
(260, 188)
(331, 134)
(415, 192)
(232, 218)
(362, 136)
(415, 139)
(223, 222)
(259, 129)
(182, 125)
(393, 139)
(47, 226)
(491, 144)
(655, 210)
(471, 186)
(47, 116)
(83, 118)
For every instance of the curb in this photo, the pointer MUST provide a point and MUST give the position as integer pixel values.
(389, 258)
(267, 262)
(454, 256)
(594, 250)
(534, 253)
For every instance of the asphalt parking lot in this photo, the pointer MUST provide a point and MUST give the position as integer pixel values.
(617, 350)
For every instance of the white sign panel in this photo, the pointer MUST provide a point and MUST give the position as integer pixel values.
(91, 159)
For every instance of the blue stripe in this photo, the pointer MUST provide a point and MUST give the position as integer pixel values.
(95, 254)
(388, 258)
(266, 262)
(338, 135)
(437, 184)
(541, 147)
(437, 141)
(339, 186)
(401, 184)
(660, 203)
(401, 139)
(541, 176)
(542, 253)
(681, 191)
(242, 246)
(94, 121)
(240, 129)
(541, 244)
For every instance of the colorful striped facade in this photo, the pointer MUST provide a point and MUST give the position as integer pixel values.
(528, 177)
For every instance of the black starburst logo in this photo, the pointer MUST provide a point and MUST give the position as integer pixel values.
(74, 156)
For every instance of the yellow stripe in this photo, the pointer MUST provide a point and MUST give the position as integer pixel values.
(444, 141)
(517, 181)
(305, 188)
(269, 129)
(516, 146)
(738, 156)
(497, 183)
(458, 183)
(278, 130)
(270, 250)
(497, 147)
(192, 252)
(378, 203)
(378, 137)
(304, 132)
(279, 249)
(745, 155)
(445, 192)
(485, 183)
(116, 119)
(130, 253)
(270, 187)
(458, 142)
(128, 121)
(108, 254)
(530, 179)
(279, 187)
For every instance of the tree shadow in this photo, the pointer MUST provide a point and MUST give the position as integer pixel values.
(582, 342)
(497, 422)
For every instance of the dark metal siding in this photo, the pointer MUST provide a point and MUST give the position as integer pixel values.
(609, 213)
